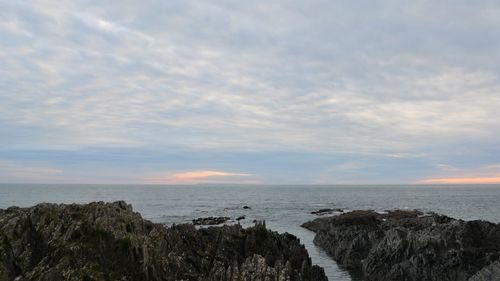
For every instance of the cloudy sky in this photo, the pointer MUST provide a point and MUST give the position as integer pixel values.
(285, 92)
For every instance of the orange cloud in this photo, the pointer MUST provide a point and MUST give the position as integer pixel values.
(193, 175)
(198, 177)
(469, 180)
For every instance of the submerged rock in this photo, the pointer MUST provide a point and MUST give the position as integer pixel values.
(108, 241)
(210, 220)
(321, 212)
(410, 245)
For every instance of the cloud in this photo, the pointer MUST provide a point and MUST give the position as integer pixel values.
(474, 180)
(488, 174)
(328, 77)
(351, 166)
(200, 176)
(204, 174)
(13, 171)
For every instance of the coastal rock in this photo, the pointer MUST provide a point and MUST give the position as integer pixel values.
(108, 241)
(246, 207)
(322, 212)
(409, 245)
(488, 273)
(210, 220)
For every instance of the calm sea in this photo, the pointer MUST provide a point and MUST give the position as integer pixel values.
(284, 208)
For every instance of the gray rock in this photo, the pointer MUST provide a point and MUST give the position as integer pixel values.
(210, 220)
(108, 241)
(322, 212)
(488, 273)
(409, 245)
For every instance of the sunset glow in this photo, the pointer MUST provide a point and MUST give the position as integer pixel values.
(193, 175)
(470, 180)
(201, 176)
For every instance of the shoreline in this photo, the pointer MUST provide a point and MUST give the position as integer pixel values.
(350, 238)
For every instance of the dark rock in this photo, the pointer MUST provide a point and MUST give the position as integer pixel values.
(488, 273)
(321, 212)
(108, 241)
(210, 220)
(246, 207)
(410, 245)
(240, 218)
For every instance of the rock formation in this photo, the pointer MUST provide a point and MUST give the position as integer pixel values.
(410, 245)
(488, 273)
(210, 220)
(108, 241)
(322, 212)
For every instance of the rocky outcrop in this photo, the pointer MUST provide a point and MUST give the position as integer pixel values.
(410, 245)
(210, 220)
(488, 273)
(328, 211)
(108, 241)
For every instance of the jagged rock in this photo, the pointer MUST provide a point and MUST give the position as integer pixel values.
(240, 218)
(210, 220)
(410, 245)
(488, 273)
(108, 241)
(321, 212)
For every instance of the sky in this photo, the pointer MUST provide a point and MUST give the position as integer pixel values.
(250, 92)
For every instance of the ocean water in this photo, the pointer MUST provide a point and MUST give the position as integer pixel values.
(284, 208)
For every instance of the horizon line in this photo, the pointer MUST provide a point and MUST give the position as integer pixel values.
(253, 184)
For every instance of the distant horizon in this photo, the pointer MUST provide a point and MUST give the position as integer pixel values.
(257, 184)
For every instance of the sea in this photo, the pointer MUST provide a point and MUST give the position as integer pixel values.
(283, 207)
